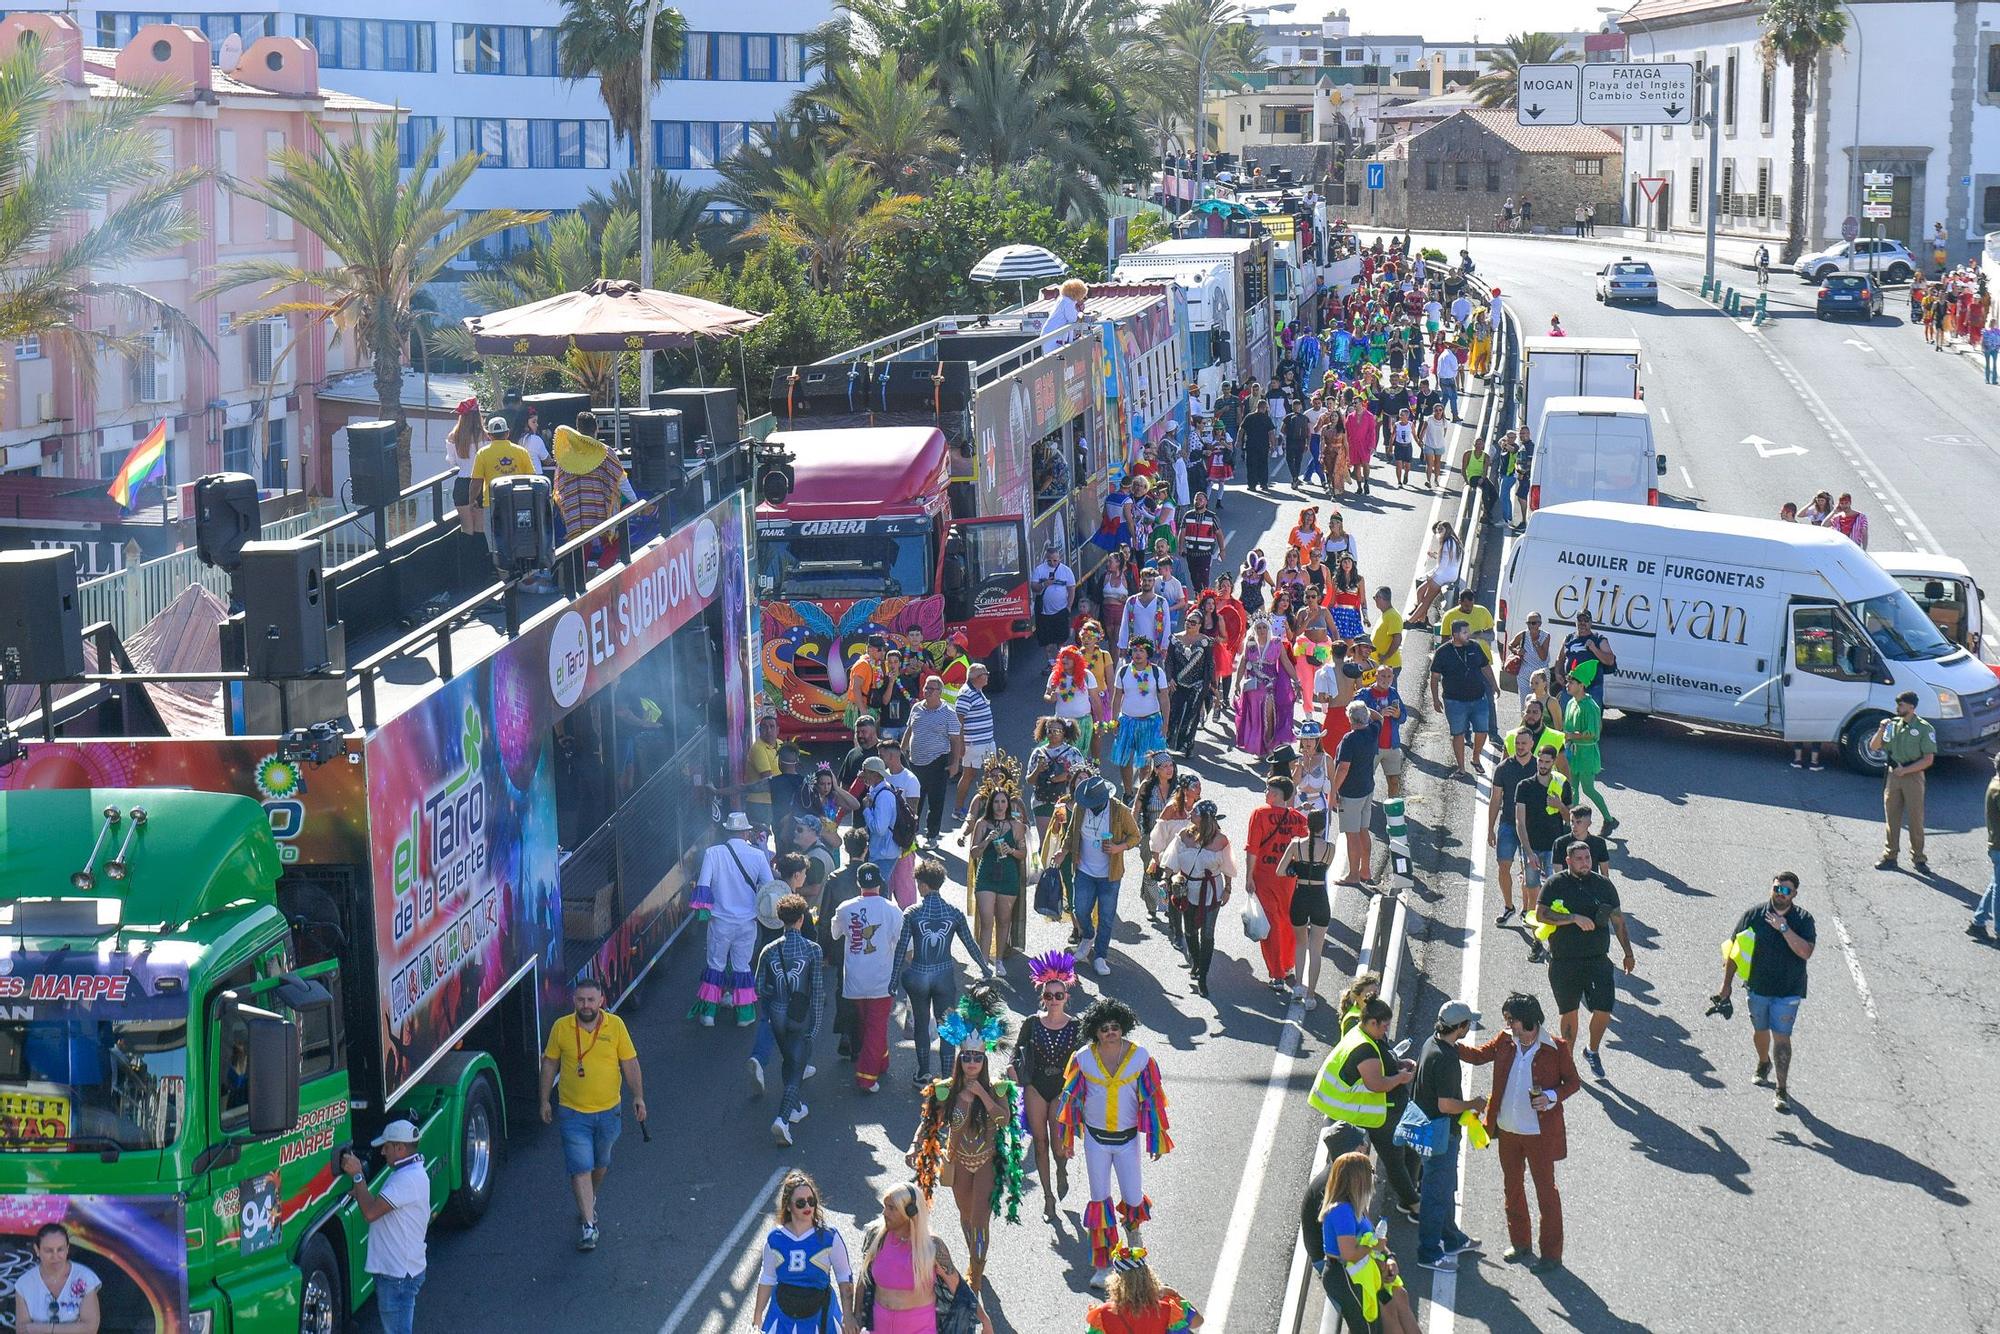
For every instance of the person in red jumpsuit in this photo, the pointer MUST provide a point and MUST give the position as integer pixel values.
(1273, 826)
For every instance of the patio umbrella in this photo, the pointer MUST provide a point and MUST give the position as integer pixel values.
(1018, 264)
(610, 315)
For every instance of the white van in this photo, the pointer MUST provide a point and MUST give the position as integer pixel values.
(1748, 624)
(1595, 449)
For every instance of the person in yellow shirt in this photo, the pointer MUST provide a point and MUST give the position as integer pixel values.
(591, 1050)
(1388, 633)
(1475, 616)
(498, 457)
(763, 768)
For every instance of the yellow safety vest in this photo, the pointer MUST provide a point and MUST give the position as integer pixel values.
(1738, 949)
(1557, 786)
(1353, 1103)
(1543, 930)
(1475, 1129)
(1366, 1274)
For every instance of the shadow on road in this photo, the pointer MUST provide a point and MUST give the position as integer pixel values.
(1871, 1158)
(1670, 1144)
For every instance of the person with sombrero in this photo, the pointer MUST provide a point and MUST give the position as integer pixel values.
(590, 484)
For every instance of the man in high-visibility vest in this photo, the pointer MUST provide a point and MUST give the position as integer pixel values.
(1354, 1085)
(1768, 952)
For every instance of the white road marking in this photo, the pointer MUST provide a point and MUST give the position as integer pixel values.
(1236, 1241)
(1854, 966)
(732, 1245)
(1666, 416)
(1767, 449)
(1686, 477)
(1857, 343)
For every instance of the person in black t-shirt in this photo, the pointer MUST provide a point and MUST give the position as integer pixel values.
(1256, 438)
(1579, 949)
(1440, 1091)
(1541, 810)
(1462, 685)
(1784, 938)
(1297, 426)
(1503, 833)
(1579, 831)
(867, 740)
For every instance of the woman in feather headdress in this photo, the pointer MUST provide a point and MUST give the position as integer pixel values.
(969, 1136)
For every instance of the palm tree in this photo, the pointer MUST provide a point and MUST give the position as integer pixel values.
(1004, 116)
(1498, 86)
(52, 171)
(1798, 32)
(936, 33)
(755, 173)
(831, 214)
(680, 212)
(387, 233)
(892, 121)
(1199, 44)
(605, 40)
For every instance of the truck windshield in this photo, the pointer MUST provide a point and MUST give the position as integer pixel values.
(868, 562)
(1899, 628)
(89, 1083)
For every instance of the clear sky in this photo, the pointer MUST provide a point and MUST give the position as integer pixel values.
(1455, 20)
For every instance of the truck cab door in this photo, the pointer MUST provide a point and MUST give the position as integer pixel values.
(996, 565)
(1829, 668)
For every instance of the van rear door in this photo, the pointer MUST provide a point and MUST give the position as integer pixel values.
(1624, 459)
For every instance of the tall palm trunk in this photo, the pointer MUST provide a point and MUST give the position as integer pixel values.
(386, 354)
(1795, 222)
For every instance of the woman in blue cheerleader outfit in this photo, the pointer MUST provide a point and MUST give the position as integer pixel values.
(1139, 704)
(807, 1279)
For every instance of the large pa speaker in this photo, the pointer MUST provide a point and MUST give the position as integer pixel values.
(801, 391)
(41, 623)
(284, 608)
(522, 522)
(915, 384)
(553, 410)
(708, 419)
(225, 517)
(659, 457)
(371, 464)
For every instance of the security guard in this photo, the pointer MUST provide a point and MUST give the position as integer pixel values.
(1910, 745)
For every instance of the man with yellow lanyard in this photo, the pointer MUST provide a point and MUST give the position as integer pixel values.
(591, 1052)
(1541, 815)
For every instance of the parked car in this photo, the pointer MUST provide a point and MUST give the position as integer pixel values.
(1891, 261)
(1849, 294)
(1628, 280)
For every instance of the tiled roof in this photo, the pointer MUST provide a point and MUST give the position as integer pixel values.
(1575, 140)
(1669, 11)
(100, 64)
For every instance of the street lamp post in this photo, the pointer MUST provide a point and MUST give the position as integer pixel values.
(646, 186)
(1854, 163)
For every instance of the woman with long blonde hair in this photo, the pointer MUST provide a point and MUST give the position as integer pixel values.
(1361, 1277)
(898, 1295)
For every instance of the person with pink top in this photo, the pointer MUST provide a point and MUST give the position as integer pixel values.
(1362, 433)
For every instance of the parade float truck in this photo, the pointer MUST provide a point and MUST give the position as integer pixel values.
(232, 946)
(1229, 286)
(930, 468)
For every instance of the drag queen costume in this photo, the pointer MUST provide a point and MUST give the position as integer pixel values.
(1113, 1099)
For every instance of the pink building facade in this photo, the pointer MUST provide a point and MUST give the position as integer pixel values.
(246, 401)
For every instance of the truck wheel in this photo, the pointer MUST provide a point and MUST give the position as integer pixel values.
(1856, 753)
(322, 1298)
(480, 1151)
(996, 665)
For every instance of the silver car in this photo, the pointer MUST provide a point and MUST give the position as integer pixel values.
(1628, 280)
(1890, 261)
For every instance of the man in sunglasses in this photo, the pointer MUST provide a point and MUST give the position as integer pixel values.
(1768, 952)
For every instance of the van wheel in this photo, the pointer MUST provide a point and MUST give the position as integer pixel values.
(996, 666)
(1856, 752)
(479, 1149)
(322, 1298)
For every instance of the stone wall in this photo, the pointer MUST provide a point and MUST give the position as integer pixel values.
(1460, 169)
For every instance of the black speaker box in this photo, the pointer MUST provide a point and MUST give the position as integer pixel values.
(284, 608)
(914, 384)
(522, 522)
(553, 410)
(371, 464)
(838, 388)
(659, 449)
(225, 517)
(41, 623)
(708, 423)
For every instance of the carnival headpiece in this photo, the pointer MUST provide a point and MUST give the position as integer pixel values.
(980, 1013)
(1055, 966)
(1126, 1257)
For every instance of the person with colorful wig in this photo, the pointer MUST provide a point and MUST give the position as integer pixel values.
(1113, 1099)
(1137, 1303)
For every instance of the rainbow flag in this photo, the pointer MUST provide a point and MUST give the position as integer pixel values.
(140, 465)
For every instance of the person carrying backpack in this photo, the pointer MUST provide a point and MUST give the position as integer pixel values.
(791, 988)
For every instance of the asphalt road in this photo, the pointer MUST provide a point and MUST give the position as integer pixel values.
(1690, 1203)
(684, 1215)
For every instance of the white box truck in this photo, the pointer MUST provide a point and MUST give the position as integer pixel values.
(1748, 624)
(1233, 278)
(1595, 449)
(1575, 368)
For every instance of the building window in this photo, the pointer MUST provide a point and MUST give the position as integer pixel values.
(1492, 178)
(1588, 166)
(1461, 176)
(698, 145)
(412, 136)
(28, 347)
(1763, 208)
(1694, 192)
(517, 143)
(397, 45)
(512, 241)
(116, 28)
(1700, 93)
(277, 471)
(1728, 182)
(1430, 175)
(1989, 208)
(1729, 93)
(753, 57)
(1767, 95)
(236, 447)
(496, 48)
(1993, 70)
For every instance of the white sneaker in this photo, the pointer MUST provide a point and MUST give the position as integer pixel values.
(1102, 966)
(1100, 1280)
(800, 1114)
(708, 1021)
(1312, 1000)
(811, 1070)
(781, 1133)
(757, 1075)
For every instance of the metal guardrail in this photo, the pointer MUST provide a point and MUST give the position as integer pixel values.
(130, 597)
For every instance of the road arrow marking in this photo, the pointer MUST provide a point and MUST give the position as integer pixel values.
(1674, 110)
(1768, 450)
(1856, 342)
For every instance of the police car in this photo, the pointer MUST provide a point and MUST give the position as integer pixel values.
(1628, 280)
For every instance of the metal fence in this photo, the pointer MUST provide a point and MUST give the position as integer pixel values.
(136, 594)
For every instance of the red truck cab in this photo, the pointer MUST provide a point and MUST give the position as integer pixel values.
(864, 544)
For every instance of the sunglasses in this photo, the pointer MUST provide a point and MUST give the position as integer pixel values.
(972, 1057)
(1786, 890)
(805, 1202)
(1055, 993)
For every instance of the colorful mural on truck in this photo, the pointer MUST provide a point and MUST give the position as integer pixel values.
(809, 648)
(135, 1244)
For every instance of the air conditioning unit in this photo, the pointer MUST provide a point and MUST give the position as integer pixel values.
(267, 348)
(45, 406)
(156, 370)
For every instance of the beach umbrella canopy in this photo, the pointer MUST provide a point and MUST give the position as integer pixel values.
(1018, 264)
(610, 315)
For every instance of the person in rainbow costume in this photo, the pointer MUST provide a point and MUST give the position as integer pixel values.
(1112, 1096)
(969, 1134)
(1138, 1303)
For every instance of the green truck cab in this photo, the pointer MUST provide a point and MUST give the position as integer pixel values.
(175, 1069)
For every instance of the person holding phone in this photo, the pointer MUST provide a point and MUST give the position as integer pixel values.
(398, 1214)
(1782, 938)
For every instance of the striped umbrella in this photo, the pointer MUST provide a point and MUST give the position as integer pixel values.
(1018, 264)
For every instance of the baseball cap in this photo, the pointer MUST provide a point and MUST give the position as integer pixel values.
(1456, 1012)
(868, 876)
(497, 425)
(875, 764)
(399, 1131)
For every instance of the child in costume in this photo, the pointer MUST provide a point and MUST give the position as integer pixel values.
(969, 1136)
(807, 1280)
(1112, 1097)
(1138, 1304)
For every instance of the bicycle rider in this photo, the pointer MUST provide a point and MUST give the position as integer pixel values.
(1763, 266)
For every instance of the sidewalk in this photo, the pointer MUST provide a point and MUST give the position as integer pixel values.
(1730, 251)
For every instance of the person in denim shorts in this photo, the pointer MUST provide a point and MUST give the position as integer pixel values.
(1780, 937)
(1541, 816)
(591, 1053)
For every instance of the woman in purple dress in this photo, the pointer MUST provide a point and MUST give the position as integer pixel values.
(1264, 692)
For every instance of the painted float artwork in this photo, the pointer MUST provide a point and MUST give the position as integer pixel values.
(810, 647)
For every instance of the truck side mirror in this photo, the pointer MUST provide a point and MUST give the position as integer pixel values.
(271, 1071)
(1660, 465)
